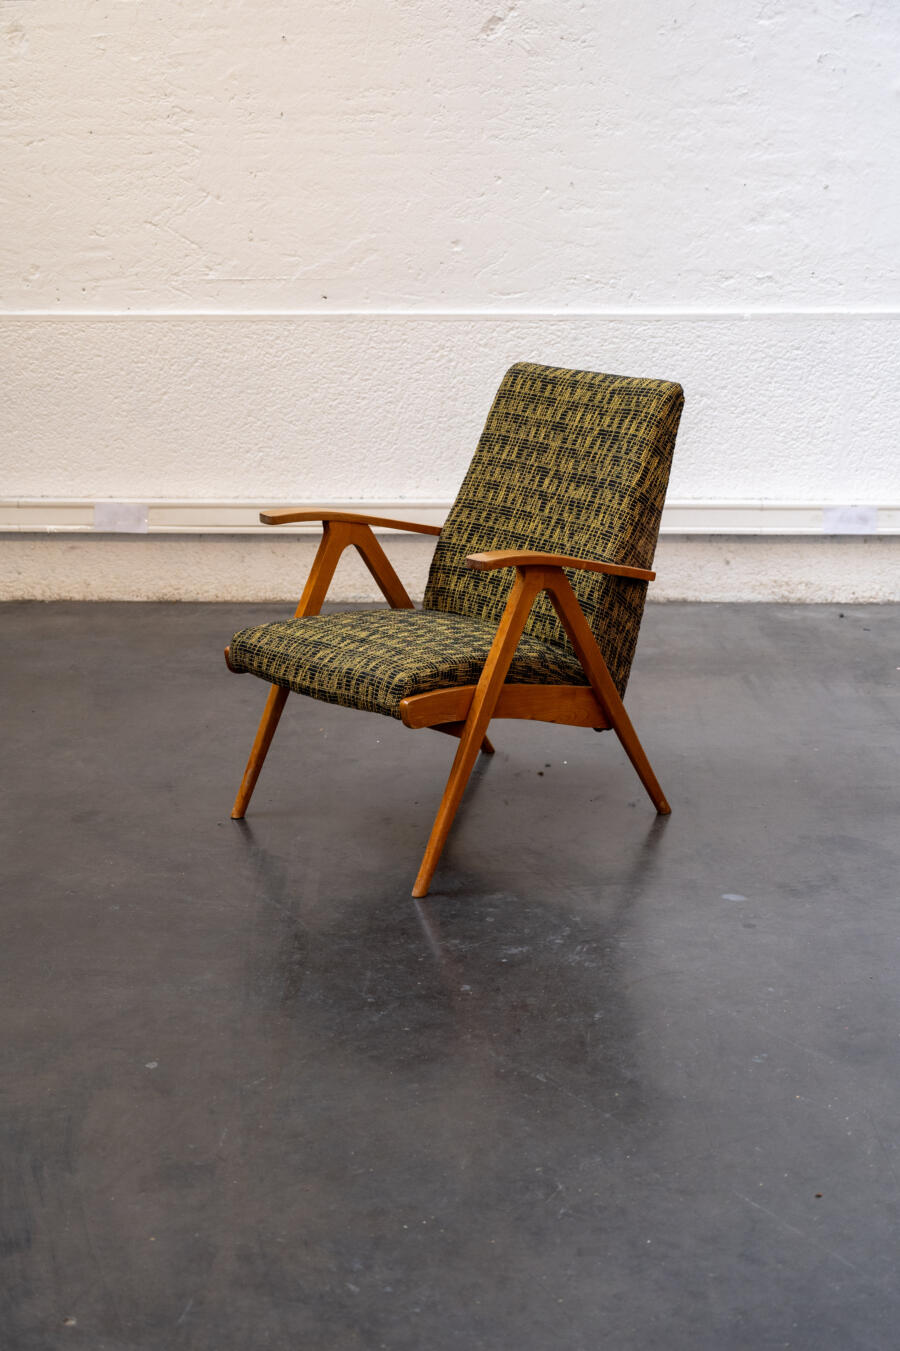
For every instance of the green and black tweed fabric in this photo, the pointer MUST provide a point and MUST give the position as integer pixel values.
(371, 659)
(569, 462)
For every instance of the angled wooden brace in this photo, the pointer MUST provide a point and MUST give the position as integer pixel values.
(337, 535)
(339, 531)
(534, 573)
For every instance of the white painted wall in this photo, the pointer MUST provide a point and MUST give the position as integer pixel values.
(612, 186)
(787, 408)
(245, 154)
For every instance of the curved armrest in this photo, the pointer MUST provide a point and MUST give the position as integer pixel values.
(518, 558)
(287, 515)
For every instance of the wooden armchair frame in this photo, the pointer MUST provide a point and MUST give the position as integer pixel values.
(465, 711)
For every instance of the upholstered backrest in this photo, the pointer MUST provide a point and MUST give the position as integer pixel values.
(569, 462)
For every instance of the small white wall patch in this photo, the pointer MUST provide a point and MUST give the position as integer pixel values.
(850, 520)
(121, 518)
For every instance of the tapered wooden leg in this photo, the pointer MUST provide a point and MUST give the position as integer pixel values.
(624, 730)
(585, 644)
(266, 730)
(336, 537)
(485, 698)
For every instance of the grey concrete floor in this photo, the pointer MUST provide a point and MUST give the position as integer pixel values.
(620, 1082)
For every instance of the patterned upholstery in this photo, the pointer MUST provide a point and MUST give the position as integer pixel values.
(371, 659)
(569, 462)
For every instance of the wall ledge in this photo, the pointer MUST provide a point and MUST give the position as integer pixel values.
(164, 517)
(749, 312)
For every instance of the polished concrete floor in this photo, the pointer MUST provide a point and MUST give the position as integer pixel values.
(620, 1082)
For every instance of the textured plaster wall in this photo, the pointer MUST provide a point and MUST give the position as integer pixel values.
(555, 170)
(382, 408)
(259, 153)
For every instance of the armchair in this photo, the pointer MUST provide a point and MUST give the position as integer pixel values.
(535, 593)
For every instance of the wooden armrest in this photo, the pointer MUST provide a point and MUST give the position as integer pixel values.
(287, 515)
(517, 558)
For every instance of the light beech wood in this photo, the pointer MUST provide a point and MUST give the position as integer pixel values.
(288, 515)
(574, 705)
(379, 565)
(466, 710)
(531, 580)
(268, 723)
(457, 728)
(518, 558)
(332, 544)
(509, 630)
(337, 535)
(340, 530)
(573, 620)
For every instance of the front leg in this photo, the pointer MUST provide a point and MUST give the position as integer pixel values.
(487, 692)
(336, 537)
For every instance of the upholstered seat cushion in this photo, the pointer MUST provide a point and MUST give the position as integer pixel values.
(371, 659)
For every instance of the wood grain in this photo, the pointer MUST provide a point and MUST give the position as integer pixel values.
(531, 580)
(288, 515)
(518, 558)
(503, 648)
(573, 705)
(337, 535)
